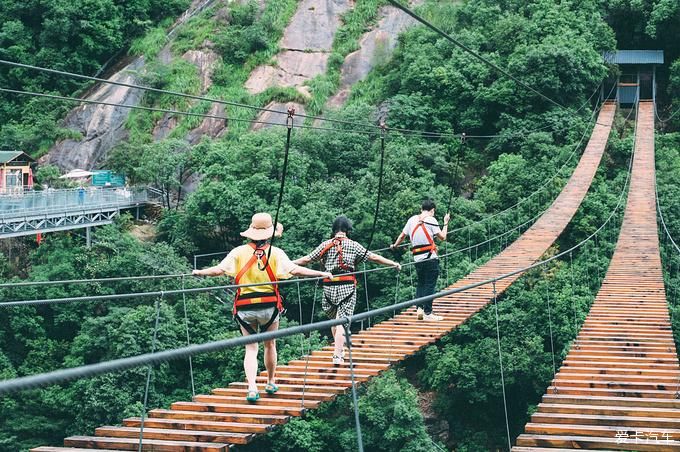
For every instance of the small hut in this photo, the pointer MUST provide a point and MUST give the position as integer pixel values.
(637, 77)
(16, 174)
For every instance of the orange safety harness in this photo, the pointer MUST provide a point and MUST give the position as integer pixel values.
(345, 279)
(422, 249)
(262, 299)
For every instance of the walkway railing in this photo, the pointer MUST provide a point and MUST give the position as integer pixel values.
(48, 202)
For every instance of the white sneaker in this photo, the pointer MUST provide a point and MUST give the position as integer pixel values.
(420, 313)
(432, 317)
(338, 360)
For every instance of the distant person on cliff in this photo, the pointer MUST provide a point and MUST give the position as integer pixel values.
(259, 306)
(81, 195)
(340, 255)
(422, 230)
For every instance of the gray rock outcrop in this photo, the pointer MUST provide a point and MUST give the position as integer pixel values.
(101, 126)
(375, 48)
(305, 46)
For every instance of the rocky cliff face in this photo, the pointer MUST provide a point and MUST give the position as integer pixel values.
(102, 127)
(376, 47)
(305, 47)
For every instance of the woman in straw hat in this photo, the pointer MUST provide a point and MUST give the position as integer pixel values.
(259, 305)
(340, 255)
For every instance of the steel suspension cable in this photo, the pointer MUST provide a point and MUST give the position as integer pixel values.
(176, 112)
(64, 375)
(284, 171)
(174, 93)
(473, 53)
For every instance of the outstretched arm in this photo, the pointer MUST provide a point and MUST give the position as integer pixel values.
(211, 271)
(303, 261)
(383, 260)
(302, 271)
(400, 239)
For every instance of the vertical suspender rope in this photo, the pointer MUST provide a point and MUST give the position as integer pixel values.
(284, 170)
(383, 130)
(448, 205)
(410, 274)
(500, 361)
(573, 292)
(186, 325)
(149, 371)
(550, 328)
(309, 350)
(455, 171)
(394, 327)
(368, 306)
(348, 339)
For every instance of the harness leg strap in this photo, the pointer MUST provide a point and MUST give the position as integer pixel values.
(246, 326)
(266, 326)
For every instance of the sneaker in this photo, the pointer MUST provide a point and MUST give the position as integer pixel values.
(432, 317)
(420, 313)
(337, 360)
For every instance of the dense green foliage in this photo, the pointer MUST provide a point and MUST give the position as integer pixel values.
(389, 416)
(72, 36)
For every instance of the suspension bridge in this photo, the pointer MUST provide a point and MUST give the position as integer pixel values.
(222, 419)
(619, 385)
(34, 212)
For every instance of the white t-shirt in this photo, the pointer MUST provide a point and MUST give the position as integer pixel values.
(418, 238)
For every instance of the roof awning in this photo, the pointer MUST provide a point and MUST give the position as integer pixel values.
(634, 57)
(77, 174)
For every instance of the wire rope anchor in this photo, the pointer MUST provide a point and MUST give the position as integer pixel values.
(290, 117)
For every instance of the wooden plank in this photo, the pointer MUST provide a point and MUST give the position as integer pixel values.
(246, 418)
(154, 445)
(181, 424)
(166, 434)
(247, 408)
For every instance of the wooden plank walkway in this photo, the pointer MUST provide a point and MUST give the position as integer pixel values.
(618, 386)
(216, 421)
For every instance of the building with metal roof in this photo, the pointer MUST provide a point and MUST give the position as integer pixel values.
(634, 57)
(16, 173)
(636, 79)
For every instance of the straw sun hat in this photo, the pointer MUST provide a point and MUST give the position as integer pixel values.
(261, 227)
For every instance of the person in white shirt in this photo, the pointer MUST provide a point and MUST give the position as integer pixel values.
(423, 230)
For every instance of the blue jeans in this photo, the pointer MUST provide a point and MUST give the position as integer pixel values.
(428, 272)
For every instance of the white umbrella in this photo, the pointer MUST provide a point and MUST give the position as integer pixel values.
(76, 174)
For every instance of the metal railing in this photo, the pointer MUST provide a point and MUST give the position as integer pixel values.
(52, 202)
